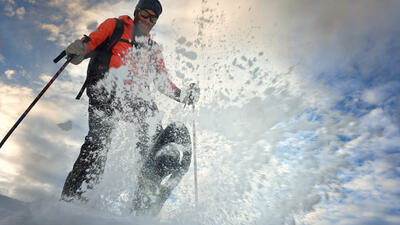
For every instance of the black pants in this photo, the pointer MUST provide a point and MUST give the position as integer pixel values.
(89, 166)
(92, 157)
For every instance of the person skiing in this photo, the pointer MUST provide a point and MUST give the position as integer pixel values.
(166, 152)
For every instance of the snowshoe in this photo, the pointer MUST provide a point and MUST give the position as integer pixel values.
(163, 170)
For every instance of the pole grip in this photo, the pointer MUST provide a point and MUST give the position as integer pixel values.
(60, 56)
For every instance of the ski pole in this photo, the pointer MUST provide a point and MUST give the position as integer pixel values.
(38, 97)
(195, 162)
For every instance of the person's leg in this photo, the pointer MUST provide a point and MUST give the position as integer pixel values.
(143, 115)
(90, 163)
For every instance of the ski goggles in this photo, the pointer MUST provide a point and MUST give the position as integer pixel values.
(145, 14)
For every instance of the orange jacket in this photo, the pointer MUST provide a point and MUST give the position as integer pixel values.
(106, 29)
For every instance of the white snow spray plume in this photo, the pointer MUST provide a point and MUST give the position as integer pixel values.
(268, 150)
(135, 118)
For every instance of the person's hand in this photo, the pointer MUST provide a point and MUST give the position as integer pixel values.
(191, 95)
(76, 50)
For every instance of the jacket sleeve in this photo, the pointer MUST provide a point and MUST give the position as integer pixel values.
(97, 37)
(162, 81)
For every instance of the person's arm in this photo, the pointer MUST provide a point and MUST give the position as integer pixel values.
(188, 96)
(162, 81)
(98, 36)
(81, 48)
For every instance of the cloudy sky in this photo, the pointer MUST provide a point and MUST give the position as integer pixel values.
(300, 103)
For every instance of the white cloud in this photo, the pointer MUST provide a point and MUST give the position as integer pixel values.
(78, 71)
(20, 71)
(364, 183)
(9, 73)
(20, 12)
(54, 32)
(11, 104)
(372, 193)
(45, 77)
(29, 174)
(78, 16)
(10, 11)
(369, 199)
(380, 94)
(372, 97)
(391, 184)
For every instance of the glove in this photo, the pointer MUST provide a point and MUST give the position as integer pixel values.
(76, 50)
(191, 95)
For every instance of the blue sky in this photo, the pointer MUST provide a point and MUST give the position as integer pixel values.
(326, 90)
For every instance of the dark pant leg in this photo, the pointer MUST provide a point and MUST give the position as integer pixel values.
(91, 160)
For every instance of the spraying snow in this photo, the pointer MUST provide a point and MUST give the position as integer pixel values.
(254, 166)
(265, 154)
(269, 144)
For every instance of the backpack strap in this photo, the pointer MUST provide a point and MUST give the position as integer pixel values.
(109, 45)
(116, 35)
(132, 43)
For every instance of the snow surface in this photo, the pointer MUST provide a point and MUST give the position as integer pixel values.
(51, 211)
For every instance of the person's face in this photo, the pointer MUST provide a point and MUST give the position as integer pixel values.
(146, 19)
